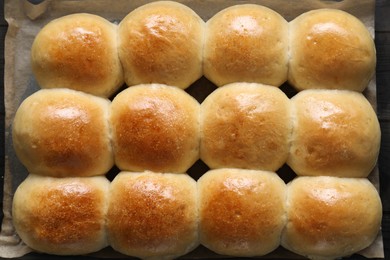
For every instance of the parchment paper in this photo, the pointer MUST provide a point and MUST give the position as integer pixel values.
(26, 19)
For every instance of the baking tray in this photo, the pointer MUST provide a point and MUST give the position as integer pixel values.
(26, 18)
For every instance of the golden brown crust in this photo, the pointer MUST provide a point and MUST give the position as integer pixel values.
(246, 43)
(241, 211)
(153, 214)
(330, 49)
(63, 133)
(245, 125)
(161, 42)
(336, 133)
(155, 127)
(62, 216)
(78, 51)
(331, 217)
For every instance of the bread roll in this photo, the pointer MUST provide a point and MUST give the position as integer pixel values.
(242, 212)
(245, 125)
(248, 43)
(155, 127)
(78, 51)
(61, 216)
(330, 49)
(161, 42)
(336, 133)
(153, 215)
(63, 133)
(330, 217)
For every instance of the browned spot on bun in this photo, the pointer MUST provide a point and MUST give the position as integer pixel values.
(78, 51)
(155, 127)
(153, 214)
(62, 216)
(162, 43)
(241, 211)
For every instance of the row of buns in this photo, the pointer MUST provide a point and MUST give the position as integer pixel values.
(233, 212)
(167, 42)
(63, 132)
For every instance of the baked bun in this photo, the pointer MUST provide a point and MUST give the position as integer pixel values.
(247, 43)
(63, 133)
(78, 51)
(331, 217)
(336, 133)
(330, 49)
(161, 42)
(241, 212)
(245, 125)
(61, 216)
(153, 215)
(155, 127)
